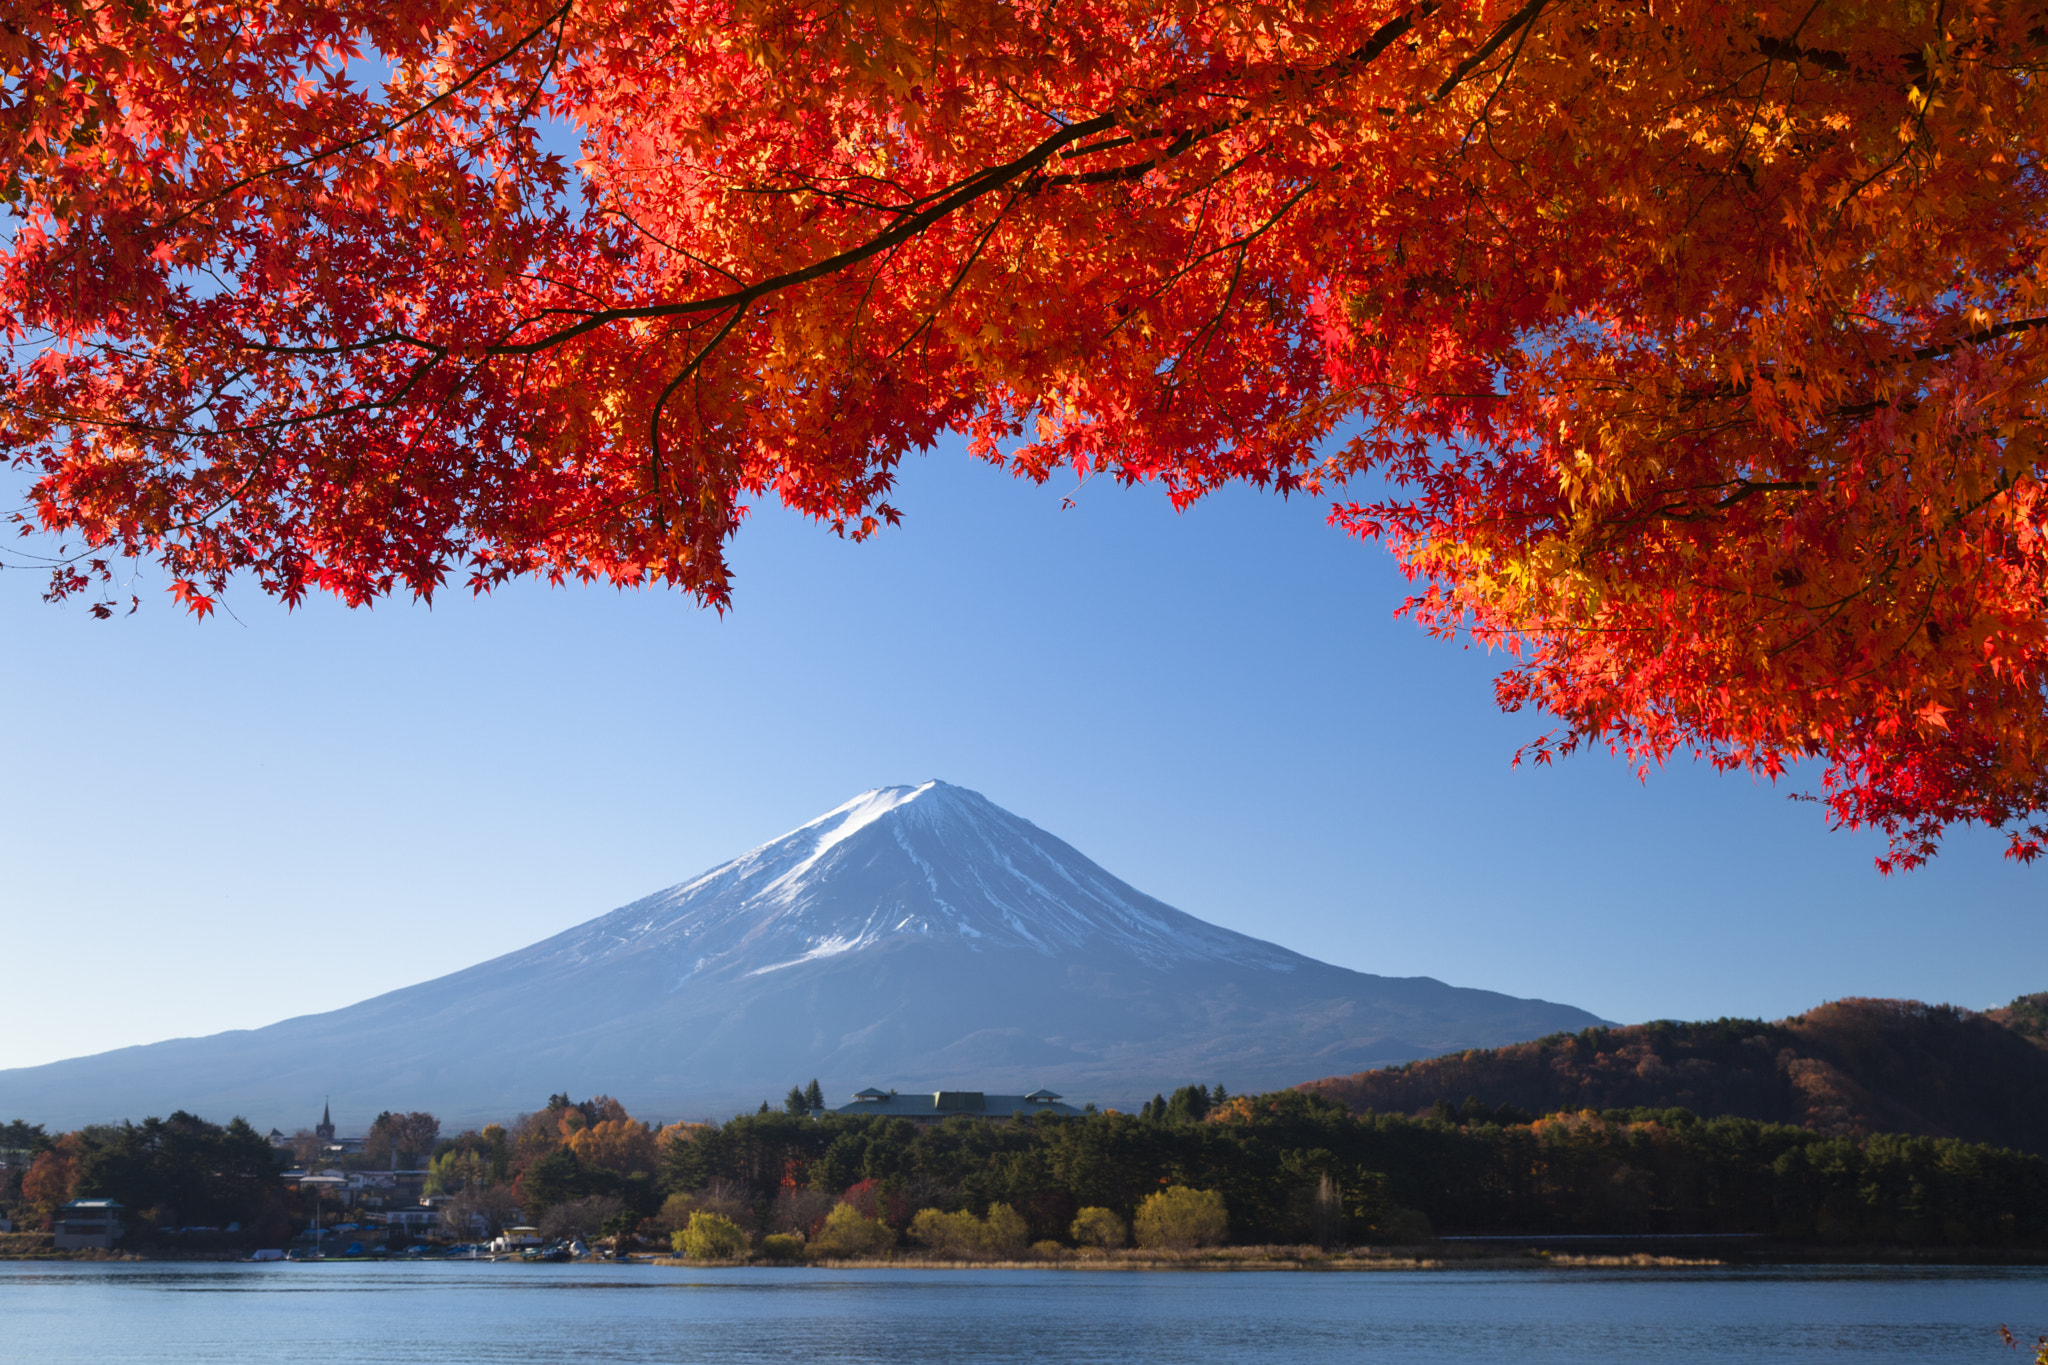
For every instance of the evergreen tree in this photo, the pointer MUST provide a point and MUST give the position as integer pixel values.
(794, 1102)
(814, 1095)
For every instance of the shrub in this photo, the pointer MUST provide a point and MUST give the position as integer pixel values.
(1098, 1227)
(1178, 1218)
(782, 1246)
(711, 1237)
(848, 1233)
(1004, 1232)
(946, 1234)
(1048, 1251)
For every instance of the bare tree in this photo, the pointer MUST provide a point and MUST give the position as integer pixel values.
(583, 1218)
(799, 1211)
(401, 1139)
(484, 1210)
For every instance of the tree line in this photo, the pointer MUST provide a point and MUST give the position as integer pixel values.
(168, 1173)
(1291, 1167)
(1281, 1161)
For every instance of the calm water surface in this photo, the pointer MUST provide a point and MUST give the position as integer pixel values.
(379, 1314)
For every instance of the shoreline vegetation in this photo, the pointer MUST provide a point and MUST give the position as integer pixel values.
(1200, 1180)
(34, 1246)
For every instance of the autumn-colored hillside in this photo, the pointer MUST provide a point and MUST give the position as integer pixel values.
(1851, 1066)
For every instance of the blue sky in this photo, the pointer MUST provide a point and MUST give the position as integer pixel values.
(218, 824)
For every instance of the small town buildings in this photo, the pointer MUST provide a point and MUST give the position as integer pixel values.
(936, 1106)
(88, 1225)
(324, 1136)
(512, 1241)
(411, 1220)
(324, 1130)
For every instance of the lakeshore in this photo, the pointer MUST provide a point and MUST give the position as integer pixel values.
(1560, 1253)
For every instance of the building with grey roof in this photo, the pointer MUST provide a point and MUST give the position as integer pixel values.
(88, 1225)
(936, 1106)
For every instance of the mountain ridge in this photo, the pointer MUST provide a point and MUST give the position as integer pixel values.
(1851, 1067)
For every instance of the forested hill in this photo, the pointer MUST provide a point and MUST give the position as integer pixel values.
(1850, 1067)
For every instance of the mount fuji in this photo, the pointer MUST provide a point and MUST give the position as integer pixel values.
(920, 937)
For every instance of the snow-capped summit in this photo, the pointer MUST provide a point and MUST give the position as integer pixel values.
(919, 937)
(935, 862)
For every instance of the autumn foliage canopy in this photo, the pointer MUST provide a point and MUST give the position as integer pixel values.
(1688, 352)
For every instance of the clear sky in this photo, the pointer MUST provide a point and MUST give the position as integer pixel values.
(219, 824)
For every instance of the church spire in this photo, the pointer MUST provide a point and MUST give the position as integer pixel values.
(325, 1132)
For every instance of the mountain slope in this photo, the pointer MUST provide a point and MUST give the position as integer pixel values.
(1851, 1066)
(915, 936)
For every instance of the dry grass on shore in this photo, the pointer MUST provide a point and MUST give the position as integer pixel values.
(1233, 1258)
(42, 1246)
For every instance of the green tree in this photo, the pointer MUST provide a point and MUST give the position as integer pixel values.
(1098, 1227)
(814, 1095)
(555, 1179)
(1180, 1219)
(454, 1171)
(183, 1169)
(1004, 1231)
(711, 1237)
(946, 1234)
(794, 1102)
(848, 1232)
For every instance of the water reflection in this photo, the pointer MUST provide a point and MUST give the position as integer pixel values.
(229, 1314)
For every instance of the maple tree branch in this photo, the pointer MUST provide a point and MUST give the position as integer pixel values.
(1242, 246)
(2003, 329)
(1744, 490)
(960, 194)
(1513, 24)
(936, 207)
(959, 276)
(1789, 50)
(1932, 351)
(385, 130)
(654, 420)
(1507, 69)
(993, 178)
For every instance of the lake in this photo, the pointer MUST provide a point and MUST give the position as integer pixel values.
(378, 1314)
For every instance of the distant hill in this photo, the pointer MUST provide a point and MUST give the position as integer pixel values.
(920, 937)
(1852, 1066)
